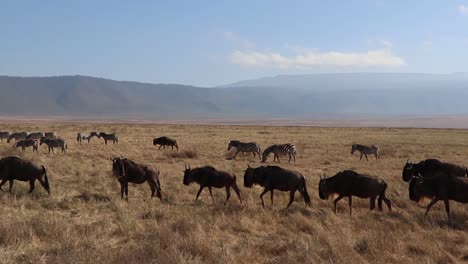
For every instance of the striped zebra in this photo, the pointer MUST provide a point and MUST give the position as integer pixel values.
(277, 149)
(54, 143)
(82, 136)
(26, 143)
(4, 135)
(35, 135)
(50, 135)
(108, 137)
(365, 150)
(17, 136)
(244, 147)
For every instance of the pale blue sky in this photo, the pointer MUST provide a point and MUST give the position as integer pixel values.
(216, 42)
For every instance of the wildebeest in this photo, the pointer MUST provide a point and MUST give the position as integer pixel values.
(17, 136)
(276, 178)
(108, 137)
(243, 147)
(26, 143)
(4, 135)
(126, 171)
(51, 135)
(209, 177)
(14, 168)
(349, 183)
(165, 141)
(365, 150)
(54, 143)
(35, 135)
(280, 149)
(437, 188)
(432, 168)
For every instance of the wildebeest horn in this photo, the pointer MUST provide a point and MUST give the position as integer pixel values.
(248, 165)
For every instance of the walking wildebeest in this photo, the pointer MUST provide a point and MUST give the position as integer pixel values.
(54, 143)
(108, 137)
(26, 143)
(439, 188)
(127, 171)
(35, 135)
(365, 150)
(349, 183)
(17, 136)
(208, 176)
(4, 135)
(243, 147)
(165, 141)
(431, 168)
(13, 168)
(276, 178)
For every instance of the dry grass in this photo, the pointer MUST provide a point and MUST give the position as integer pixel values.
(84, 220)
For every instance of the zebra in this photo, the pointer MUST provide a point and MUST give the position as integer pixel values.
(277, 149)
(50, 135)
(109, 137)
(17, 136)
(3, 135)
(54, 143)
(244, 147)
(82, 136)
(26, 143)
(364, 150)
(35, 135)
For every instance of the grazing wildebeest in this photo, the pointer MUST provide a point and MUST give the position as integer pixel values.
(208, 176)
(54, 143)
(165, 141)
(4, 135)
(365, 150)
(51, 135)
(17, 136)
(439, 188)
(283, 149)
(349, 183)
(244, 147)
(13, 168)
(276, 178)
(432, 168)
(127, 171)
(35, 135)
(26, 143)
(109, 137)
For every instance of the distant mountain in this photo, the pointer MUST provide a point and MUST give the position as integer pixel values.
(302, 96)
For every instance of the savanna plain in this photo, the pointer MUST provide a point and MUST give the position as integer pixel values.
(84, 219)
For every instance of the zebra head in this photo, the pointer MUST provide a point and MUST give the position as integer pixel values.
(353, 148)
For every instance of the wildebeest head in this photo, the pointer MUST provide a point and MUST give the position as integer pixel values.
(324, 187)
(353, 148)
(413, 195)
(188, 175)
(408, 171)
(155, 141)
(118, 167)
(249, 177)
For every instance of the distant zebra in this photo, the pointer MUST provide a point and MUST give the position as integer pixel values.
(4, 135)
(108, 137)
(17, 136)
(26, 143)
(284, 149)
(82, 136)
(365, 150)
(244, 147)
(50, 135)
(54, 143)
(35, 135)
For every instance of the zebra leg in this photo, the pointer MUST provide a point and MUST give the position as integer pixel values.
(294, 157)
(366, 157)
(237, 152)
(376, 156)
(105, 141)
(243, 155)
(361, 156)
(289, 157)
(277, 157)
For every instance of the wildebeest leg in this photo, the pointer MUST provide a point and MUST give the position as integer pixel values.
(11, 185)
(237, 152)
(361, 156)
(336, 200)
(126, 191)
(277, 157)
(2, 183)
(198, 193)
(447, 208)
(31, 185)
(271, 197)
(236, 189)
(122, 190)
(228, 194)
(350, 201)
(261, 196)
(366, 156)
(153, 188)
(105, 141)
(291, 198)
(211, 194)
(160, 146)
(372, 204)
(43, 184)
(434, 201)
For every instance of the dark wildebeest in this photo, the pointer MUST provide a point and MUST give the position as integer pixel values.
(26, 143)
(51, 135)
(35, 135)
(365, 150)
(165, 141)
(244, 147)
(432, 168)
(349, 183)
(13, 168)
(127, 171)
(54, 143)
(276, 178)
(439, 188)
(208, 176)
(108, 137)
(4, 135)
(17, 136)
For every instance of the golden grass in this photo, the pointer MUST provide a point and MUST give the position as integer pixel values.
(85, 221)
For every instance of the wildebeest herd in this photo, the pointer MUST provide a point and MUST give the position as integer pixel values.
(429, 178)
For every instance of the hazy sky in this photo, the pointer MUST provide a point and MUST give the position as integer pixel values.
(216, 42)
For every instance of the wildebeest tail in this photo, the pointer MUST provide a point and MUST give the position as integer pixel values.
(46, 179)
(304, 192)
(466, 172)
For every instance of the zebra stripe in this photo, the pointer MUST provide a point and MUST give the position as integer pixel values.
(26, 143)
(4, 135)
(54, 143)
(365, 150)
(277, 149)
(249, 147)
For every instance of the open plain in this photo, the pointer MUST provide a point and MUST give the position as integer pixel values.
(85, 221)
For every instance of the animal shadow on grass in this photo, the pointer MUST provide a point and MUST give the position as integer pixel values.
(457, 222)
(86, 197)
